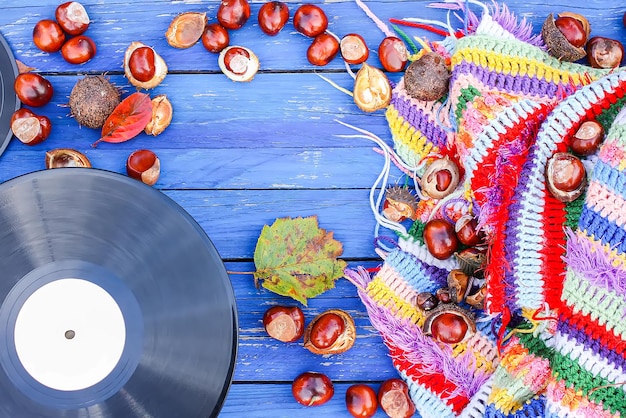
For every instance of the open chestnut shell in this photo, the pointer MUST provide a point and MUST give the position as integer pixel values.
(372, 90)
(162, 113)
(238, 63)
(160, 68)
(331, 332)
(66, 157)
(186, 29)
(440, 178)
(558, 45)
(449, 323)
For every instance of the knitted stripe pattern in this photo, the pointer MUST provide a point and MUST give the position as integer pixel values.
(588, 364)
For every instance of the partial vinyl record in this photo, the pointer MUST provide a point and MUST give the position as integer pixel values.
(114, 302)
(9, 102)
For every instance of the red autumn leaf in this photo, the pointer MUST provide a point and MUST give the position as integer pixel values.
(128, 119)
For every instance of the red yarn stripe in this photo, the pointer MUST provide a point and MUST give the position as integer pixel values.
(436, 383)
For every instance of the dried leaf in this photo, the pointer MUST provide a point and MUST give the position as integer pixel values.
(23, 68)
(128, 119)
(295, 258)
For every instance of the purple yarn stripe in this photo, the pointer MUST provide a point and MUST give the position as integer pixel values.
(419, 120)
(590, 343)
(523, 84)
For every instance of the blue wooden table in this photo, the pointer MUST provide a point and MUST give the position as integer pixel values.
(239, 155)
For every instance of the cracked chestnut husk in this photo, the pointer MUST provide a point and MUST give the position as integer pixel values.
(559, 46)
(238, 63)
(427, 78)
(372, 90)
(66, 157)
(471, 261)
(566, 177)
(186, 29)
(459, 284)
(331, 332)
(449, 324)
(145, 72)
(477, 299)
(426, 301)
(162, 112)
(400, 204)
(440, 178)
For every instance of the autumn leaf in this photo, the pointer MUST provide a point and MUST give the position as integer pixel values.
(129, 118)
(295, 258)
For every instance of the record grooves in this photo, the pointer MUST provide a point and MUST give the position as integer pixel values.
(115, 303)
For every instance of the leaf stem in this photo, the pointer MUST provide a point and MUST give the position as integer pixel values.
(240, 272)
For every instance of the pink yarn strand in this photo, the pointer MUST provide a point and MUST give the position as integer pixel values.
(379, 23)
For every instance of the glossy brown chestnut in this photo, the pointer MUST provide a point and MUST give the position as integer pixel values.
(331, 332)
(78, 50)
(604, 52)
(30, 128)
(72, 17)
(394, 399)
(233, 14)
(273, 16)
(467, 232)
(440, 238)
(284, 323)
(449, 324)
(393, 54)
(66, 157)
(310, 20)
(572, 29)
(566, 177)
(48, 35)
(312, 389)
(575, 26)
(361, 401)
(215, 37)
(426, 301)
(322, 50)
(141, 63)
(186, 29)
(587, 138)
(443, 295)
(143, 165)
(440, 178)
(238, 63)
(32, 89)
(372, 90)
(354, 49)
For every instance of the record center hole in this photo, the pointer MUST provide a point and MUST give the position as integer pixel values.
(69, 334)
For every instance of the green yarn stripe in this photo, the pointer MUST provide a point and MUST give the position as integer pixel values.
(467, 95)
(606, 117)
(573, 210)
(417, 231)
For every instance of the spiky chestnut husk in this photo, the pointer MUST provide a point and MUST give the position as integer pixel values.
(400, 204)
(558, 45)
(434, 324)
(343, 343)
(92, 100)
(427, 77)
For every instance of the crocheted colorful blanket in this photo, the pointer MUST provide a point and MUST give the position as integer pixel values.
(551, 339)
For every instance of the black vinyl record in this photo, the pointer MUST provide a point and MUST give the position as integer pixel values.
(115, 303)
(8, 99)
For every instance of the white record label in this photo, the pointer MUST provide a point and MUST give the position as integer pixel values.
(70, 334)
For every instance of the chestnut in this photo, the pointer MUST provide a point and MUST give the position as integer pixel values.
(466, 228)
(143, 67)
(372, 90)
(186, 29)
(587, 138)
(72, 17)
(32, 89)
(312, 389)
(143, 165)
(393, 54)
(310, 20)
(604, 52)
(30, 128)
(78, 50)
(440, 178)
(284, 323)
(273, 16)
(162, 113)
(566, 35)
(394, 399)
(48, 35)
(233, 14)
(572, 29)
(449, 324)
(238, 63)
(322, 50)
(331, 332)
(361, 401)
(566, 177)
(353, 49)
(440, 238)
(443, 295)
(427, 78)
(215, 38)
(426, 301)
(66, 157)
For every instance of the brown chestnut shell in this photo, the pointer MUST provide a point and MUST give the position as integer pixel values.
(429, 181)
(459, 284)
(432, 326)
(186, 29)
(66, 157)
(243, 67)
(558, 45)
(162, 113)
(372, 90)
(343, 343)
(159, 64)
